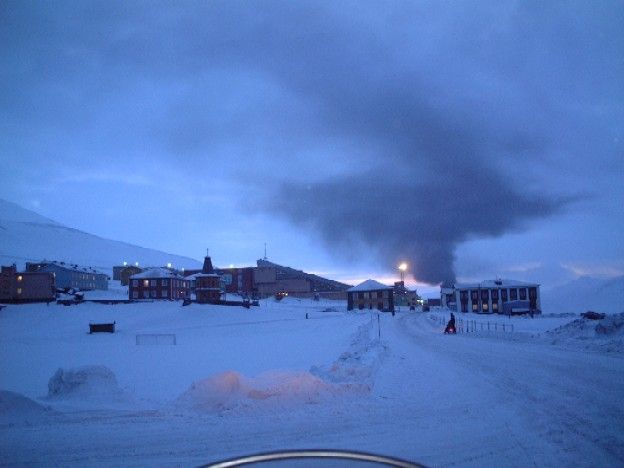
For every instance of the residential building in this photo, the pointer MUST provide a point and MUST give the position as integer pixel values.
(371, 295)
(158, 283)
(490, 296)
(68, 275)
(26, 286)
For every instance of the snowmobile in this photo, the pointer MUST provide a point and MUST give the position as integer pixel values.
(450, 326)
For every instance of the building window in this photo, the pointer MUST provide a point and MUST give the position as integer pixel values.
(475, 306)
(152, 282)
(135, 294)
(164, 282)
(513, 294)
(523, 294)
(135, 282)
(20, 278)
(145, 283)
(504, 295)
(153, 293)
(163, 293)
(19, 290)
(474, 295)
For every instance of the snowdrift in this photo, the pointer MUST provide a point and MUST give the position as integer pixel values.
(606, 334)
(15, 408)
(358, 364)
(84, 383)
(351, 374)
(231, 390)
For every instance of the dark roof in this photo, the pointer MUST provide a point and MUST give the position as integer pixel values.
(207, 269)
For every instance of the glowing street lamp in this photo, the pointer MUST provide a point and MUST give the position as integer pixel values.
(402, 269)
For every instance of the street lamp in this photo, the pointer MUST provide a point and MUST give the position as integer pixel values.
(402, 269)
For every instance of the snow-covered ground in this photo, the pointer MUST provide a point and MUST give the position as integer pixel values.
(240, 381)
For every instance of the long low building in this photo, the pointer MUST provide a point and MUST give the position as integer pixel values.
(491, 296)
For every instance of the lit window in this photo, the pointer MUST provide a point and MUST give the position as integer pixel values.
(20, 277)
(19, 290)
(146, 283)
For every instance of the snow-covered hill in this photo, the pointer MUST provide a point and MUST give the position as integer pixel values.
(27, 236)
(586, 293)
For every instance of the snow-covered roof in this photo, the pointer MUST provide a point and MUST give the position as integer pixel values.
(153, 273)
(69, 267)
(369, 285)
(498, 283)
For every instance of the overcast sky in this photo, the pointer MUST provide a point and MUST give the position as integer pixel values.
(470, 139)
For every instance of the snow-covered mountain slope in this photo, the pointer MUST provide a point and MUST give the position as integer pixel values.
(27, 236)
(586, 293)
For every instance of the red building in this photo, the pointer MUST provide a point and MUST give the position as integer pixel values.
(237, 280)
(26, 286)
(158, 283)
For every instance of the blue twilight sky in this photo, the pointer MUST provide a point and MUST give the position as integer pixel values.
(471, 139)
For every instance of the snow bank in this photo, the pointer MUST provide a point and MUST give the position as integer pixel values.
(356, 365)
(15, 408)
(231, 390)
(606, 334)
(86, 383)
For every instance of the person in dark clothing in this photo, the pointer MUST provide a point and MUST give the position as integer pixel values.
(450, 326)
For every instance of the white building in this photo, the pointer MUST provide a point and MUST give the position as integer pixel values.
(492, 296)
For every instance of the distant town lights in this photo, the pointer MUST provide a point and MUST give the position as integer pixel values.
(125, 263)
(169, 265)
(136, 263)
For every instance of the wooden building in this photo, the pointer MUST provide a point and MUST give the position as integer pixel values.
(26, 286)
(127, 272)
(370, 295)
(207, 288)
(158, 283)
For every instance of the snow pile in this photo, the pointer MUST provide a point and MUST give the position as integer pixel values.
(358, 364)
(84, 383)
(15, 408)
(231, 390)
(606, 334)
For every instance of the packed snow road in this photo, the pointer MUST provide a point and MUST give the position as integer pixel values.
(490, 400)
(276, 380)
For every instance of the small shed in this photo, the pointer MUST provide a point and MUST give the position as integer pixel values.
(370, 295)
